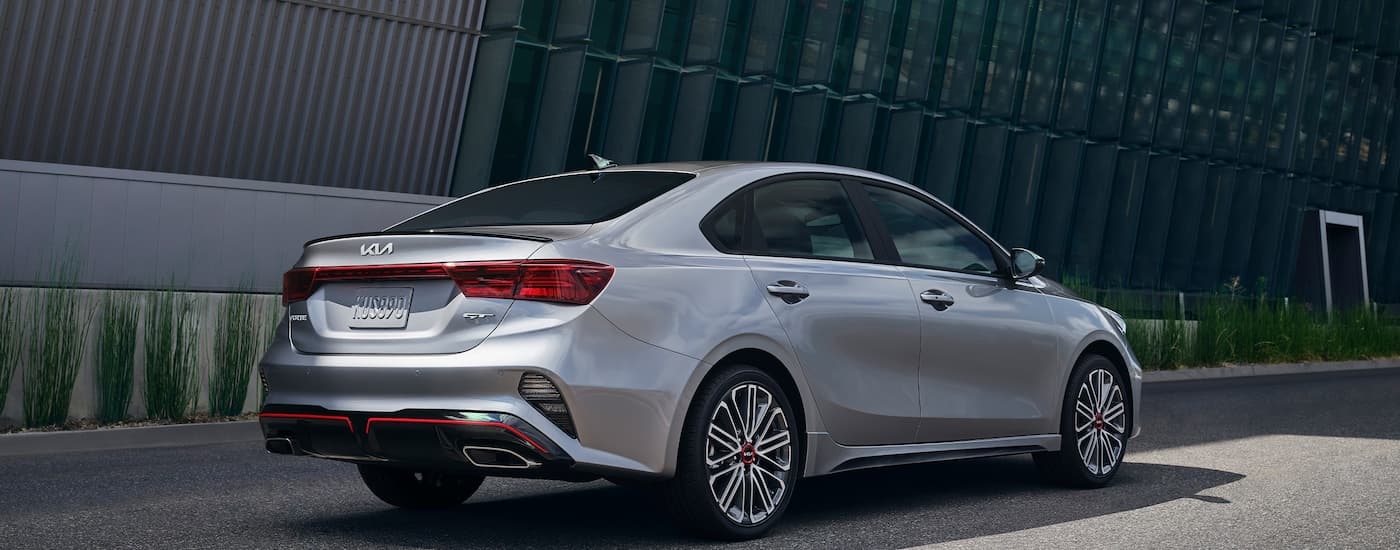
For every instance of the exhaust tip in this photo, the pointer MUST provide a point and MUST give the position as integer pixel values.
(281, 446)
(495, 457)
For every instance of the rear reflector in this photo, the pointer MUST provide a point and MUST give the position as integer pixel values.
(562, 281)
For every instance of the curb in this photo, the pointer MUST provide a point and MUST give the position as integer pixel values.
(1266, 369)
(175, 435)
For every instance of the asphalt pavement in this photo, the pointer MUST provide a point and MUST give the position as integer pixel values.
(1266, 462)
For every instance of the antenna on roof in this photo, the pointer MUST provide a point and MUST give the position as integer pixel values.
(600, 163)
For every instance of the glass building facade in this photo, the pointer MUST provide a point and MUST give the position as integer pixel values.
(1155, 144)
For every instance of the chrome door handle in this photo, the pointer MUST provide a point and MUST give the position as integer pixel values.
(789, 291)
(939, 299)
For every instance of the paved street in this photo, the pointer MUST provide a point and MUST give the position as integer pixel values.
(1284, 461)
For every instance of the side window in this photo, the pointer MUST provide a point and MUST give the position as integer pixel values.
(724, 225)
(807, 218)
(926, 236)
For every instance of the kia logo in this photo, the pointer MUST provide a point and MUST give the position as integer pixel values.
(376, 249)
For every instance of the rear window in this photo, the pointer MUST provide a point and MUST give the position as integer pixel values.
(561, 200)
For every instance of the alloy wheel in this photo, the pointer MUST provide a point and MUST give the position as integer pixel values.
(748, 454)
(1100, 422)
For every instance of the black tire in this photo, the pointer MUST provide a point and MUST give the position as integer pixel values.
(418, 490)
(1069, 466)
(689, 497)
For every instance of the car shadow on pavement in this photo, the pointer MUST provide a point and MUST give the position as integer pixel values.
(887, 508)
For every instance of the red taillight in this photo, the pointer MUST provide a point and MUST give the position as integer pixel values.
(564, 281)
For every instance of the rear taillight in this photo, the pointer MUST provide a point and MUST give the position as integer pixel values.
(563, 281)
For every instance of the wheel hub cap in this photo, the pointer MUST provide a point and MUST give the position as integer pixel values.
(747, 454)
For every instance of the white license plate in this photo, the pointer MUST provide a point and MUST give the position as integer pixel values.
(380, 307)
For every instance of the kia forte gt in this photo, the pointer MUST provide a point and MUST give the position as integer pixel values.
(717, 331)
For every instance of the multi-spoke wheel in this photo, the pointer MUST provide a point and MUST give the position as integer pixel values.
(739, 456)
(1093, 427)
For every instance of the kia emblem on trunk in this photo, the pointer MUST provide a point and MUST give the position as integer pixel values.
(376, 249)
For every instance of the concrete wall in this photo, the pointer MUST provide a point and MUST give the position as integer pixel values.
(142, 230)
(205, 315)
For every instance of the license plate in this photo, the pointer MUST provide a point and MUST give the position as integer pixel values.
(380, 307)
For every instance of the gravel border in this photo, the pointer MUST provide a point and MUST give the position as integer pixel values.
(179, 435)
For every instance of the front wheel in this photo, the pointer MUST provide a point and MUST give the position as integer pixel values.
(1094, 426)
(740, 455)
(416, 489)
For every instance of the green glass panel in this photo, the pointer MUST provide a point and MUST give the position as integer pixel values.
(736, 32)
(722, 110)
(676, 19)
(572, 21)
(1091, 209)
(1146, 84)
(1215, 223)
(554, 127)
(1016, 220)
(1259, 97)
(1110, 95)
(595, 86)
(707, 31)
(767, 34)
(1056, 213)
(1122, 228)
(857, 131)
(661, 105)
(960, 70)
(1176, 82)
(643, 26)
(1234, 82)
(867, 60)
(535, 20)
(517, 114)
(1154, 221)
(1205, 85)
(1004, 59)
(1284, 110)
(1042, 79)
(606, 32)
(918, 59)
(692, 113)
(1081, 64)
(983, 187)
(819, 40)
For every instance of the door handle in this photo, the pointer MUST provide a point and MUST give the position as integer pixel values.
(789, 291)
(939, 299)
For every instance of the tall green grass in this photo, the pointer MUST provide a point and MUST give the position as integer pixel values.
(238, 342)
(11, 339)
(57, 331)
(170, 336)
(116, 356)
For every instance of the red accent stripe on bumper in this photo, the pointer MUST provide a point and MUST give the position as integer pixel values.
(304, 416)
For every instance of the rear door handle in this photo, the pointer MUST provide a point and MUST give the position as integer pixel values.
(789, 291)
(939, 299)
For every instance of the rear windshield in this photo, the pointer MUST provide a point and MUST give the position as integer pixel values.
(561, 200)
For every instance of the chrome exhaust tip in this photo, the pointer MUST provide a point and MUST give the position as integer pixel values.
(282, 446)
(498, 458)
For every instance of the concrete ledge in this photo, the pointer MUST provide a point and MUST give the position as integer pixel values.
(104, 439)
(1268, 369)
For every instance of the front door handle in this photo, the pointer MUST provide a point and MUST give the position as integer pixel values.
(939, 299)
(789, 291)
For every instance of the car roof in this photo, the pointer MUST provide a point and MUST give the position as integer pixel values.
(726, 167)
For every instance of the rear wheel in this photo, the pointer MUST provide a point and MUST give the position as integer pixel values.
(1094, 427)
(416, 489)
(739, 460)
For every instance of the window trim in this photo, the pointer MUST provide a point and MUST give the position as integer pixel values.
(999, 253)
(747, 240)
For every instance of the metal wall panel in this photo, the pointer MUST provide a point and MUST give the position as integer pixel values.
(364, 94)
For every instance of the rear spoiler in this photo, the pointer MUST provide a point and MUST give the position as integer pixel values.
(522, 237)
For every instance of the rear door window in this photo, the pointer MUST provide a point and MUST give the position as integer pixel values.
(797, 218)
(560, 200)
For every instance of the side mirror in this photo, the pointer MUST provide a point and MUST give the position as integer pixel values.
(1025, 264)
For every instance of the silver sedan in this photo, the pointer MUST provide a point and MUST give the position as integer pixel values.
(718, 331)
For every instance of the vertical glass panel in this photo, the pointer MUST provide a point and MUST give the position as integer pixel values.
(1155, 221)
(490, 82)
(675, 19)
(945, 158)
(1004, 60)
(707, 31)
(819, 40)
(831, 129)
(804, 127)
(1380, 103)
(571, 22)
(535, 19)
(628, 111)
(1326, 148)
(1091, 209)
(839, 76)
(1124, 213)
(1016, 221)
(595, 87)
(961, 67)
(1259, 97)
(1304, 12)
(919, 58)
(1176, 83)
(1284, 113)
(868, 57)
(692, 114)
(736, 33)
(857, 125)
(1264, 246)
(643, 26)
(556, 112)
(1147, 72)
(1234, 81)
(722, 108)
(1215, 223)
(902, 144)
(979, 202)
(1205, 86)
(1085, 38)
(1353, 116)
(765, 36)
(1042, 79)
(606, 32)
(1056, 215)
(1234, 261)
(502, 14)
(1311, 85)
(748, 137)
(1347, 12)
(517, 114)
(656, 127)
(1114, 66)
(1185, 225)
